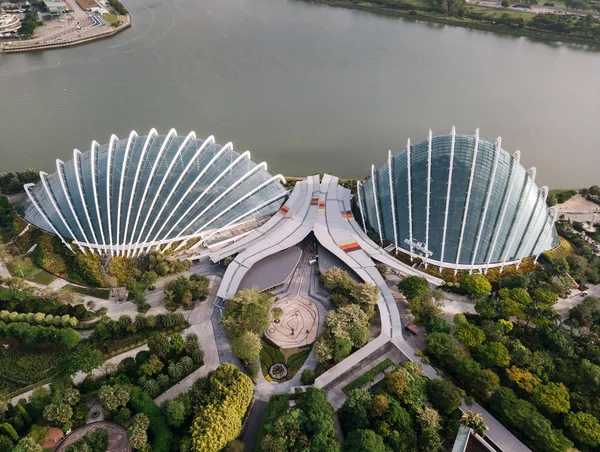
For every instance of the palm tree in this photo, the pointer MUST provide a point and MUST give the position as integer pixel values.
(163, 381)
(187, 364)
(152, 387)
(140, 322)
(175, 371)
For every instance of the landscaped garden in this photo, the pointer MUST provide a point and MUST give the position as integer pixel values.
(287, 361)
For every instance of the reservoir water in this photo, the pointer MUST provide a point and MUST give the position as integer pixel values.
(305, 87)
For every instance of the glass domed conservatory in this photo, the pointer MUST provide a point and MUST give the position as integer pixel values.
(458, 201)
(132, 195)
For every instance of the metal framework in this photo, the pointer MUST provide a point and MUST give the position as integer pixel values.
(193, 175)
(493, 180)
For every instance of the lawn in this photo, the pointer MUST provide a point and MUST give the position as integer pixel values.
(42, 277)
(22, 267)
(91, 291)
(110, 18)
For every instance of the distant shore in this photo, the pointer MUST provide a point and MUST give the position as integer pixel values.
(68, 43)
(448, 20)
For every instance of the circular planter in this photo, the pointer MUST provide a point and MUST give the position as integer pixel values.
(278, 371)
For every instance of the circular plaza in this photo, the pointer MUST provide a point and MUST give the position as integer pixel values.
(297, 326)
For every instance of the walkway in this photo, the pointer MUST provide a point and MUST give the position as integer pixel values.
(117, 436)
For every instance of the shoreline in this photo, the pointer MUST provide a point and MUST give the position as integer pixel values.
(540, 35)
(75, 42)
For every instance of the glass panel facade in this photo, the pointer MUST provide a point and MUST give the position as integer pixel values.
(158, 189)
(506, 217)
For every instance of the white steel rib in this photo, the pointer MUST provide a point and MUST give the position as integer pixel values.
(77, 167)
(448, 191)
(93, 166)
(429, 150)
(187, 192)
(111, 146)
(392, 200)
(151, 135)
(409, 191)
(43, 215)
(67, 193)
(50, 196)
(191, 136)
(209, 141)
(132, 137)
(133, 244)
(498, 148)
(360, 204)
(466, 207)
(376, 202)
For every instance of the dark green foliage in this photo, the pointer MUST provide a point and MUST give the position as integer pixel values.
(523, 416)
(364, 440)
(162, 435)
(94, 441)
(118, 7)
(436, 324)
(308, 377)
(413, 287)
(12, 183)
(444, 395)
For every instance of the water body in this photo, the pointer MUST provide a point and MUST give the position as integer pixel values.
(305, 87)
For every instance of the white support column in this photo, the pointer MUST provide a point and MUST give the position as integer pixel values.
(134, 243)
(76, 165)
(409, 191)
(242, 179)
(466, 207)
(191, 136)
(393, 202)
(375, 200)
(239, 201)
(554, 212)
(41, 212)
(245, 214)
(429, 144)
(50, 196)
(59, 170)
(111, 146)
(448, 191)
(245, 155)
(151, 135)
(519, 217)
(209, 141)
(542, 194)
(514, 168)
(93, 167)
(498, 148)
(360, 205)
(132, 137)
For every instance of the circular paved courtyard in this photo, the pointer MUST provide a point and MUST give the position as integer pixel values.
(117, 436)
(298, 325)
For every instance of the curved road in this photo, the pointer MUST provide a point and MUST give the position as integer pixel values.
(117, 437)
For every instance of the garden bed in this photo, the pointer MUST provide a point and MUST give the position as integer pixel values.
(91, 291)
(22, 366)
(368, 375)
(292, 359)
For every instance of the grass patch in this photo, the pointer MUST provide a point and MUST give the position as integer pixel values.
(42, 277)
(368, 375)
(110, 18)
(91, 291)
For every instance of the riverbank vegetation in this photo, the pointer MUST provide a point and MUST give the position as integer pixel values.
(557, 26)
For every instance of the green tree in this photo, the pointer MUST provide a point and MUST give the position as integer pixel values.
(366, 440)
(467, 333)
(159, 345)
(584, 427)
(246, 347)
(249, 310)
(413, 287)
(177, 343)
(554, 397)
(474, 421)
(477, 285)
(444, 395)
(492, 354)
(396, 383)
(176, 413)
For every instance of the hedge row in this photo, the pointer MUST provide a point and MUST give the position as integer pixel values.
(63, 338)
(39, 318)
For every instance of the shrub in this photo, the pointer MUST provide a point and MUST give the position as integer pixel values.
(308, 377)
(161, 433)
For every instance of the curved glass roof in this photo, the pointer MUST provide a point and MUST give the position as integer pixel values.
(134, 194)
(458, 201)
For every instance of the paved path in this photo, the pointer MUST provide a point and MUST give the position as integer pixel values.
(117, 436)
